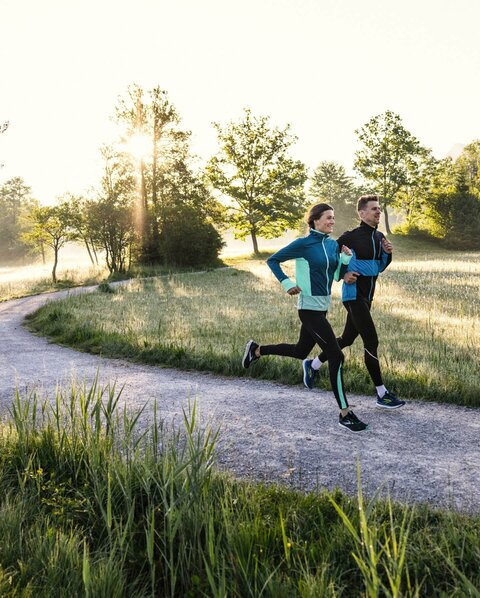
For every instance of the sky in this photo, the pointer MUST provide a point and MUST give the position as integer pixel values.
(323, 66)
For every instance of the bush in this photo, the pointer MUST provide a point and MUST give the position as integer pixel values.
(455, 218)
(413, 229)
(186, 241)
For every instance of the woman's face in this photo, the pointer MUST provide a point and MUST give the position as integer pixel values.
(325, 223)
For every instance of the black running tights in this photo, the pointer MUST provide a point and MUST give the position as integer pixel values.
(360, 322)
(315, 329)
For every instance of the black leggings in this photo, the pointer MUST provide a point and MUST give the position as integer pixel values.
(360, 322)
(315, 329)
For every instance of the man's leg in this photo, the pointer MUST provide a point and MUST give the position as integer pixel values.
(346, 339)
(361, 317)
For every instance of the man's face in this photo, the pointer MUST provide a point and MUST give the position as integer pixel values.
(371, 213)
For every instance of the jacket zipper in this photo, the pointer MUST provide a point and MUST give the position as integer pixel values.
(328, 264)
(371, 278)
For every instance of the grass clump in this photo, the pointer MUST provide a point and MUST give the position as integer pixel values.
(92, 503)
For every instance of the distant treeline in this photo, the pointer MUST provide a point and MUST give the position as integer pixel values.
(152, 206)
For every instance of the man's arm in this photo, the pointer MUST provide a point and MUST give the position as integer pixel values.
(386, 257)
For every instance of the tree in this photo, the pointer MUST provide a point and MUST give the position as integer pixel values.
(424, 172)
(455, 217)
(53, 226)
(152, 134)
(468, 166)
(188, 236)
(253, 169)
(78, 206)
(330, 184)
(16, 202)
(166, 184)
(109, 221)
(389, 159)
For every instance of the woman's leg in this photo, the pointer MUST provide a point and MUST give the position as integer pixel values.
(316, 323)
(303, 347)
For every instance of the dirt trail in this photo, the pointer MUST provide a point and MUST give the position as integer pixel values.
(423, 452)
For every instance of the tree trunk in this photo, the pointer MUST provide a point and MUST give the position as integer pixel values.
(387, 224)
(55, 262)
(254, 241)
(94, 251)
(89, 253)
(155, 229)
(42, 249)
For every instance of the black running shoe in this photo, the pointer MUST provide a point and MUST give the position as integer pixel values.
(249, 355)
(351, 422)
(389, 401)
(309, 374)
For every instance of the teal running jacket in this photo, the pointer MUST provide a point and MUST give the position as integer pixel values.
(317, 262)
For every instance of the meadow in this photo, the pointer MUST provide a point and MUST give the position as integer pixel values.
(427, 308)
(93, 504)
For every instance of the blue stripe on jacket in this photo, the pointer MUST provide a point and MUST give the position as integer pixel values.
(364, 268)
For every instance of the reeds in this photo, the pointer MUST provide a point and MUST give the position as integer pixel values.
(95, 503)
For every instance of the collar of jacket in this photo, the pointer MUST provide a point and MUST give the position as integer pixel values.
(362, 223)
(317, 233)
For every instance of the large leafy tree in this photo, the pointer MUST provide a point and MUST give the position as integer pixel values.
(166, 183)
(16, 202)
(153, 137)
(253, 169)
(389, 158)
(53, 226)
(330, 184)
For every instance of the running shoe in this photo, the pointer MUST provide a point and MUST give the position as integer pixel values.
(351, 422)
(249, 355)
(389, 401)
(309, 374)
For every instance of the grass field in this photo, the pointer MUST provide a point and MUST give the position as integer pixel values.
(427, 309)
(92, 505)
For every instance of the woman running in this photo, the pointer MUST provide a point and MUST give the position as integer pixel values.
(318, 260)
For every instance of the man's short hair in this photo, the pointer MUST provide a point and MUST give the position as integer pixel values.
(362, 201)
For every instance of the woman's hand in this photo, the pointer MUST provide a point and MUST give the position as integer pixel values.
(294, 291)
(346, 250)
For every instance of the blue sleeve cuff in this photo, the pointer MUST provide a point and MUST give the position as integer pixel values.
(287, 284)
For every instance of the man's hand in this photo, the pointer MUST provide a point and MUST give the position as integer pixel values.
(351, 277)
(387, 246)
(294, 291)
(346, 250)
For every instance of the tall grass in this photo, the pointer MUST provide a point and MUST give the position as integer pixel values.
(426, 308)
(32, 280)
(93, 504)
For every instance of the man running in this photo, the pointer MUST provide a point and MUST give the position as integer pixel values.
(372, 253)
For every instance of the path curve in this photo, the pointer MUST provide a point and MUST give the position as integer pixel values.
(424, 452)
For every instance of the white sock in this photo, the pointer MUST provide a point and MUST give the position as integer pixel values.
(316, 363)
(381, 390)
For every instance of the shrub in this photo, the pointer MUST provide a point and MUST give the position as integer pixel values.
(455, 218)
(187, 241)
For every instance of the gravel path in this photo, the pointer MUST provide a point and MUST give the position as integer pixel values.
(423, 452)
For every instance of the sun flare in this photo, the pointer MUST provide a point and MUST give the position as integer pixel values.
(139, 146)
